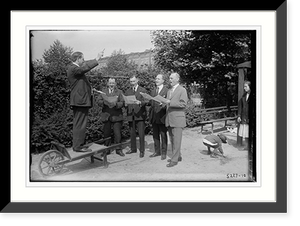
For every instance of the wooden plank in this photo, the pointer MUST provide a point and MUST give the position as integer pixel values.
(216, 108)
(212, 112)
(95, 147)
(217, 120)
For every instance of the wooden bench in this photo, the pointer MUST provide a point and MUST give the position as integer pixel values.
(222, 109)
(215, 110)
(216, 120)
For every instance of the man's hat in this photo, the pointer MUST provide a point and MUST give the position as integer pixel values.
(223, 137)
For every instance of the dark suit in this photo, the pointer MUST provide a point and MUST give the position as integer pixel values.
(138, 114)
(114, 118)
(80, 99)
(157, 117)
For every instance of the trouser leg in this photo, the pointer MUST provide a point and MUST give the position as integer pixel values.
(164, 138)
(171, 136)
(177, 132)
(141, 132)
(80, 119)
(156, 138)
(117, 133)
(107, 132)
(132, 136)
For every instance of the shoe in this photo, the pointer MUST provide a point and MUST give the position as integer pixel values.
(213, 156)
(171, 164)
(155, 154)
(142, 154)
(179, 159)
(120, 152)
(130, 152)
(85, 146)
(83, 150)
(163, 156)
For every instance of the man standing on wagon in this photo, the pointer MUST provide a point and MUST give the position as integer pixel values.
(80, 96)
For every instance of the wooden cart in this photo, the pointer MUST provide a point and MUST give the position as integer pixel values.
(52, 162)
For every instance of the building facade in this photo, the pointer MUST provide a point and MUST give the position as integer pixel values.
(142, 59)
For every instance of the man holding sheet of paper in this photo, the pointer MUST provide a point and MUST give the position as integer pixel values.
(175, 117)
(111, 100)
(136, 114)
(157, 117)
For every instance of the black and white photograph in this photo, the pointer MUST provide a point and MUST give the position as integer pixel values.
(143, 105)
(164, 112)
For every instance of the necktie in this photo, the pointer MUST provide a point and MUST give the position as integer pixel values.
(157, 91)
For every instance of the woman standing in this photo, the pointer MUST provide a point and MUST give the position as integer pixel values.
(243, 116)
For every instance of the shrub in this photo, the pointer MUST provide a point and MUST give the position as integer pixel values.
(58, 127)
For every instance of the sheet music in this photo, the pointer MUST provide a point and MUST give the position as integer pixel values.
(161, 99)
(110, 99)
(129, 99)
(146, 96)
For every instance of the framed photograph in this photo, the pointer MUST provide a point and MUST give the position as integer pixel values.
(213, 110)
(214, 150)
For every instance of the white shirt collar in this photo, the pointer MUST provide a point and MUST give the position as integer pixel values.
(160, 87)
(75, 64)
(174, 87)
(135, 88)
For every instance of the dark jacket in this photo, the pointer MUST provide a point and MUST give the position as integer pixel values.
(214, 139)
(157, 113)
(243, 109)
(115, 113)
(139, 111)
(81, 90)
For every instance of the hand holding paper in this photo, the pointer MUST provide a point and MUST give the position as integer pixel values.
(130, 99)
(161, 99)
(110, 99)
(98, 91)
(146, 96)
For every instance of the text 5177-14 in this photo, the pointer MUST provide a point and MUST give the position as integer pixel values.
(236, 175)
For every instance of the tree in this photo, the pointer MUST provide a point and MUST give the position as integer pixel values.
(118, 65)
(50, 85)
(206, 57)
(50, 98)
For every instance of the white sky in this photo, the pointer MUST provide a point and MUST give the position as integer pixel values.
(92, 42)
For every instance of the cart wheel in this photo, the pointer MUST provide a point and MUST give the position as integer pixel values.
(48, 163)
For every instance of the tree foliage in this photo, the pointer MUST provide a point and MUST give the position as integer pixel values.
(206, 57)
(118, 65)
(50, 110)
(50, 85)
